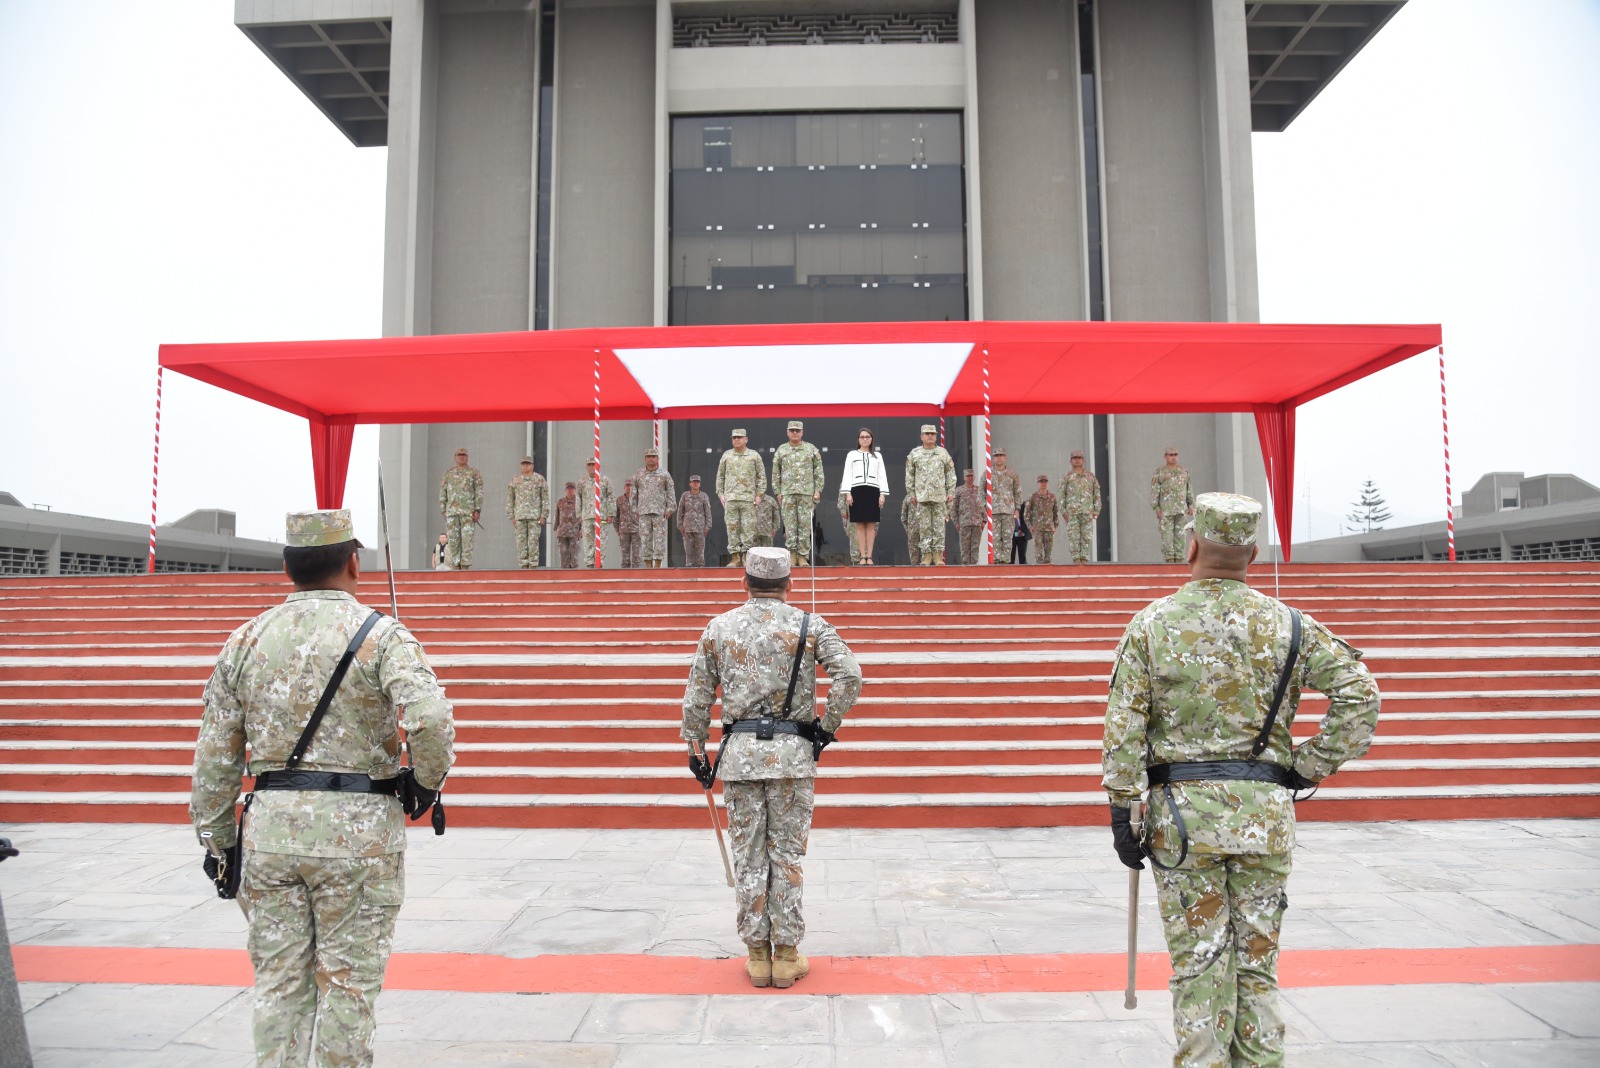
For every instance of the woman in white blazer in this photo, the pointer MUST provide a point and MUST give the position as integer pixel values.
(866, 484)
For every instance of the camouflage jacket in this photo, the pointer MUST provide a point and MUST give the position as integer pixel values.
(461, 491)
(1042, 511)
(608, 500)
(653, 492)
(694, 512)
(1007, 492)
(971, 506)
(527, 497)
(1193, 680)
(930, 474)
(1080, 494)
(844, 511)
(268, 677)
(741, 476)
(797, 469)
(1169, 491)
(748, 653)
(911, 519)
(769, 520)
(568, 525)
(627, 514)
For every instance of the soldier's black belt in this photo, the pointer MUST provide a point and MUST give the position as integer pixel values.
(343, 782)
(1225, 770)
(766, 726)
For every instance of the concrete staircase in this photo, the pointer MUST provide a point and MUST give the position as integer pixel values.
(983, 706)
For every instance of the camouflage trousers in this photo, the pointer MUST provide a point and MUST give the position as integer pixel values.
(530, 532)
(1222, 914)
(630, 547)
(1172, 537)
(588, 541)
(931, 518)
(1080, 537)
(769, 823)
(1005, 526)
(320, 933)
(796, 510)
(653, 536)
(568, 547)
(1044, 541)
(694, 549)
(459, 531)
(971, 542)
(740, 516)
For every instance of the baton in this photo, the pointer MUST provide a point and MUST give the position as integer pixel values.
(727, 866)
(1130, 999)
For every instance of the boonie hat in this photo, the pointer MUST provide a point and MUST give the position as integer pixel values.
(1226, 518)
(304, 530)
(765, 562)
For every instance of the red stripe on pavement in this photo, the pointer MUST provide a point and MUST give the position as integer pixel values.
(608, 973)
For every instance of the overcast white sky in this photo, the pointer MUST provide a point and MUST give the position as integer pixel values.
(163, 182)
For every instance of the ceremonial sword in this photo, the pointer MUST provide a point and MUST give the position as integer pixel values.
(1130, 999)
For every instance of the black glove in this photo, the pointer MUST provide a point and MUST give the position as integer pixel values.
(415, 798)
(224, 873)
(1298, 782)
(1129, 849)
(820, 740)
(701, 767)
(7, 849)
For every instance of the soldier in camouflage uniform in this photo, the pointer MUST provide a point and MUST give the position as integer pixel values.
(1041, 514)
(628, 525)
(971, 505)
(769, 520)
(528, 508)
(460, 502)
(797, 480)
(323, 852)
(911, 519)
(741, 479)
(749, 654)
(849, 528)
(1007, 503)
(1172, 500)
(568, 527)
(694, 523)
(608, 509)
(656, 498)
(1193, 682)
(1080, 508)
(931, 483)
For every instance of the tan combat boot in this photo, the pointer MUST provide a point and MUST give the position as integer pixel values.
(759, 966)
(789, 966)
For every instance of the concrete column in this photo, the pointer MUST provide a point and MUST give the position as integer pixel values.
(52, 558)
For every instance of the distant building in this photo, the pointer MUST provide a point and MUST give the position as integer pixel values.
(37, 541)
(1505, 516)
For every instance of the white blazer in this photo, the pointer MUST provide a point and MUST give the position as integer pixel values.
(864, 469)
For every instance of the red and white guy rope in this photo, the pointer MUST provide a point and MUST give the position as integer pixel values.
(988, 460)
(598, 561)
(155, 476)
(1449, 496)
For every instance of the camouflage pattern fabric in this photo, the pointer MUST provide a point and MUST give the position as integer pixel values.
(568, 529)
(1044, 542)
(797, 510)
(740, 519)
(797, 470)
(461, 491)
(930, 474)
(529, 535)
(694, 550)
(570, 554)
(460, 533)
(320, 934)
(528, 497)
(1005, 530)
(971, 507)
(971, 538)
(631, 552)
(653, 492)
(849, 529)
(1172, 499)
(1080, 538)
(1040, 513)
(769, 824)
(608, 512)
(1172, 541)
(931, 520)
(769, 519)
(694, 512)
(627, 513)
(741, 476)
(911, 519)
(653, 537)
(1007, 492)
(1080, 494)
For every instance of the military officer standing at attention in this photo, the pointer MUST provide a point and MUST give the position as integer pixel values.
(1196, 693)
(1173, 501)
(971, 504)
(931, 483)
(741, 478)
(655, 498)
(1080, 508)
(628, 525)
(1007, 502)
(797, 480)
(568, 527)
(461, 502)
(769, 520)
(528, 508)
(763, 656)
(321, 865)
(1040, 514)
(694, 523)
(608, 508)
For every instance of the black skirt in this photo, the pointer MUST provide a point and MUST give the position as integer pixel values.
(864, 504)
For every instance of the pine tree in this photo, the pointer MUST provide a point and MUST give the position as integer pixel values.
(1371, 510)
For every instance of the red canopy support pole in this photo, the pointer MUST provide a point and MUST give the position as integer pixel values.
(941, 429)
(988, 480)
(155, 476)
(330, 460)
(1275, 428)
(1449, 497)
(599, 560)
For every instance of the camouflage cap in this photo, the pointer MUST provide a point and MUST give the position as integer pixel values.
(929, 428)
(998, 452)
(303, 530)
(968, 471)
(694, 478)
(572, 485)
(461, 452)
(591, 462)
(1226, 518)
(765, 562)
(738, 432)
(1077, 454)
(652, 451)
(526, 460)
(795, 424)
(1045, 479)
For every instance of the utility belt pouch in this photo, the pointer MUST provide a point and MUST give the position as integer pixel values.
(764, 728)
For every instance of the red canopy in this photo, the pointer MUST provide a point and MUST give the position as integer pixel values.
(924, 368)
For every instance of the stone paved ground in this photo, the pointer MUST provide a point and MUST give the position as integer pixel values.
(520, 893)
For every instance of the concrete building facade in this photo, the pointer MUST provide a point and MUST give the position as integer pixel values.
(37, 541)
(572, 163)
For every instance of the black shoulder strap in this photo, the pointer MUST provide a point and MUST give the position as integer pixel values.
(794, 669)
(1283, 685)
(328, 692)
